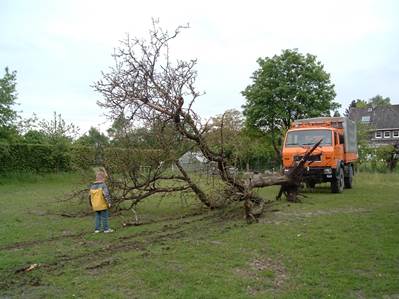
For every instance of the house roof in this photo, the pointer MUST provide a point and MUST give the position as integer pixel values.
(380, 117)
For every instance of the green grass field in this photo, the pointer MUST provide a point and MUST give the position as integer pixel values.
(329, 246)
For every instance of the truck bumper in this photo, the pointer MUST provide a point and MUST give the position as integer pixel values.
(316, 174)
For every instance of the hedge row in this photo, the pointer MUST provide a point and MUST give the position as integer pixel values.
(63, 157)
(53, 158)
(44, 158)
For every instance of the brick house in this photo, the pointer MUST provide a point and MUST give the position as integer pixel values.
(383, 122)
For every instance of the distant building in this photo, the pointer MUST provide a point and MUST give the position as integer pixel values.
(197, 162)
(383, 123)
(194, 161)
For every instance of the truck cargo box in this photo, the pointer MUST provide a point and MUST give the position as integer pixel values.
(348, 126)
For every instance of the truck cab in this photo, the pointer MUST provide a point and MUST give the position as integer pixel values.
(333, 160)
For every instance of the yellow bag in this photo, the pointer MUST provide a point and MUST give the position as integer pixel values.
(98, 202)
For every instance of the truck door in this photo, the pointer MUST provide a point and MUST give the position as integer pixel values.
(338, 147)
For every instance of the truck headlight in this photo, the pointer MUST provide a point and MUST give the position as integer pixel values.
(327, 171)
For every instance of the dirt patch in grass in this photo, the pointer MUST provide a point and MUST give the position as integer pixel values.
(264, 274)
(188, 219)
(88, 260)
(279, 216)
(26, 244)
(98, 267)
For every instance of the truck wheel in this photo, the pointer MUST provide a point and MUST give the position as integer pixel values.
(349, 178)
(337, 184)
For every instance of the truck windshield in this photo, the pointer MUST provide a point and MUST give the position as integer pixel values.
(308, 137)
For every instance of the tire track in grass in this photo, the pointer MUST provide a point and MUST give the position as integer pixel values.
(26, 244)
(168, 232)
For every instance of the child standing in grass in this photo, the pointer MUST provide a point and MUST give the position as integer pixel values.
(100, 201)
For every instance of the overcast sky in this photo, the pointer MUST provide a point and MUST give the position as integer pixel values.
(59, 48)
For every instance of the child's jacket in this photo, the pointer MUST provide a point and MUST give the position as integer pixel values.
(99, 196)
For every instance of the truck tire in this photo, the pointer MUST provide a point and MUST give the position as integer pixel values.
(349, 178)
(337, 184)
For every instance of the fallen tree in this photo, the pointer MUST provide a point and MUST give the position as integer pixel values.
(146, 85)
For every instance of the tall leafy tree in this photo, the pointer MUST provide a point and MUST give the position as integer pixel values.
(379, 101)
(58, 130)
(244, 147)
(8, 96)
(376, 101)
(358, 103)
(124, 132)
(94, 137)
(284, 88)
(119, 129)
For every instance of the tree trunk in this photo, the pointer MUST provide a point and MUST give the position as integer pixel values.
(200, 194)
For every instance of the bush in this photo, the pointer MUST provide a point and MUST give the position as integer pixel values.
(129, 160)
(45, 158)
(40, 158)
(375, 159)
(84, 157)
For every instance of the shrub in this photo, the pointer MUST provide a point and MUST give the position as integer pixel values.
(39, 158)
(375, 159)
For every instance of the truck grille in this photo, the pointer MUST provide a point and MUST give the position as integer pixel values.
(312, 158)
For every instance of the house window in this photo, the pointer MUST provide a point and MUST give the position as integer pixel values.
(378, 134)
(387, 134)
(395, 134)
(365, 119)
(370, 109)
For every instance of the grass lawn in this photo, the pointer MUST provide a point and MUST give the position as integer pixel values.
(330, 246)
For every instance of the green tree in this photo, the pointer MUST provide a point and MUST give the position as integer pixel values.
(8, 96)
(243, 147)
(97, 141)
(379, 101)
(94, 137)
(227, 125)
(35, 137)
(124, 133)
(223, 132)
(358, 103)
(119, 129)
(376, 101)
(287, 87)
(58, 130)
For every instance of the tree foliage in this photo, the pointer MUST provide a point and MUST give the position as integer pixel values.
(35, 137)
(376, 101)
(224, 132)
(126, 133)
(93, 138)
(8, 96)
(244, 147)
(58, 130)
(287, 87)
(379, 101)
(39, 158)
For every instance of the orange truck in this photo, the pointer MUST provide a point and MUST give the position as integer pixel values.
(333, 160)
